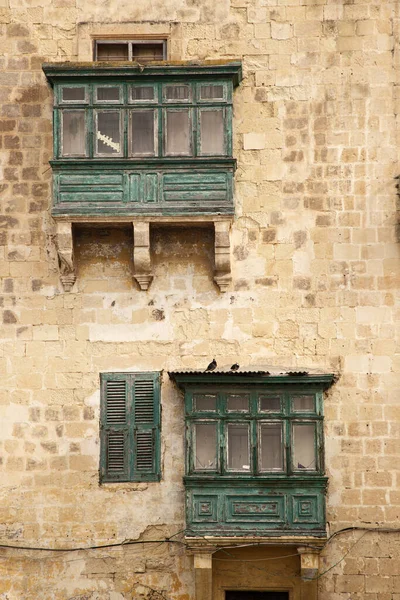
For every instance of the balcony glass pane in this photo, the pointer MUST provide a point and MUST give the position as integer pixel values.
(204, 402)
(177, 92)
(238, 447)
(269, 404)
(108, 94)
(73, 94)
(143, 132)
(73, 133)
(178, 132)
(205, 446)
(271, 447)
(237, 403)
(304, 450)
(108, 133)
(303, 403)
(211, 132)
(142, 92)
(212, 92)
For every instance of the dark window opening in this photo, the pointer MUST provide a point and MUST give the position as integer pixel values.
(142, 51)
(245, 595)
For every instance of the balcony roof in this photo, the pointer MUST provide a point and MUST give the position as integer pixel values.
(225, 69)
(268, 374)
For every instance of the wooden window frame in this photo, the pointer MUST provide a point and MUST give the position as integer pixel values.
(286, 416)
(142, 416)
(130, 43)
(91, 105)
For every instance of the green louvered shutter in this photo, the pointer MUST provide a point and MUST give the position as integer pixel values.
(146, 435)
(116, 441)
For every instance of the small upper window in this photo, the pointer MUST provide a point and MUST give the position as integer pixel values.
(142, 51)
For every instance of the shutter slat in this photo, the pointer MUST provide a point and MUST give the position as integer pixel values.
(144, 401)
(116, 412)
(144, 450)
(116, 451)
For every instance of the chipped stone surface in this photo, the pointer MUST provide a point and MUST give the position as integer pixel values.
(315, 283)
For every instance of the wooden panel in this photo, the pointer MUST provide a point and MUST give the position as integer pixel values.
(205, 508)
(200, 187)
(306, 508)
(89, 179)
(89, 197)
(134, 186)
(258, 509)
(150, 187)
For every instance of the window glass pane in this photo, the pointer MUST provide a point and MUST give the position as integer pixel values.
(303, 403)
(271, 450)
(205, 402)
(108, 134)
(147, 52)
(237, 402)
(110, 94)
(212, 92)
(269, 404)
(238, 447)
(73, 94)
(73, 133)
(178, 132)
(145, 92)
(205, 446)
(177, 92)
(107, 51)
(212, 132)
(304, 456)
(142, 129)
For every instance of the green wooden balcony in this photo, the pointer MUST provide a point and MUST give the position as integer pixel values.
(143, 140)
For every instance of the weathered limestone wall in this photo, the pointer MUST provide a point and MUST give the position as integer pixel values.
(315, 284)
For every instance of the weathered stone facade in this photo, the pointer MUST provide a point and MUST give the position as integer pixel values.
(315, 284)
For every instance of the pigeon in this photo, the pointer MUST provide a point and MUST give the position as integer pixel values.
(234, 367)
(212, 365)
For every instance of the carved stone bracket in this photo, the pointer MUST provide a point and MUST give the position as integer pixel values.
(203, 575)
(222, 276)
(141, 254)
(309, 562)
(65, 251)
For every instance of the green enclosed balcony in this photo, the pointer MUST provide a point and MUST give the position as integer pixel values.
(255, 453)
(143, 144)
(143, 140)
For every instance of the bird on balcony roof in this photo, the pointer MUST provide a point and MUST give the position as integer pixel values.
(212, 366)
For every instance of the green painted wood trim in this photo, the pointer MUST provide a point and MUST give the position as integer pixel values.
(129, 70)
(142, 163)
(283, 481)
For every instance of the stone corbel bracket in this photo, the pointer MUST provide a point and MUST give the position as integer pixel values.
(65, 252)
(143, 273)
(222, 275)
(141, 254)
(309, 562)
